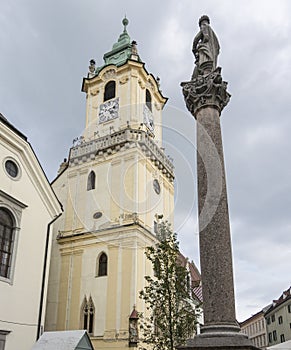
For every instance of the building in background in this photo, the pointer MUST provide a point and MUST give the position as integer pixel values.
(278, 319)
(28, 207)
(255, 328)
(116, 187)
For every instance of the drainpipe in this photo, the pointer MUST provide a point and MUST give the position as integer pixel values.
(43, 275)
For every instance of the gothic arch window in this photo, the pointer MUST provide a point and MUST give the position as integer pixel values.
(6, 242)
(109, 91)
(91, 181)
(87, 315)
(102, 265)
(148, 100)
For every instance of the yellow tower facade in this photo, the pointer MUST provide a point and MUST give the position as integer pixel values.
(115, 187)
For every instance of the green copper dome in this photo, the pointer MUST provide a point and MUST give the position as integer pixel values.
(121, 50)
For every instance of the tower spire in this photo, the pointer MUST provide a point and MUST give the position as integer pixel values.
(125, 22)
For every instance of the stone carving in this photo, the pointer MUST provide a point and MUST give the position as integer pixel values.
(125, 138)
(94, 92)
(78, 141)
(109, 74)
(150, 85)
(92, 68)
(206, 90)
(205, 48)
(123, 80)
(134, 47)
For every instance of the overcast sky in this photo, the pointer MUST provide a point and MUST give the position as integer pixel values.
(45, 49)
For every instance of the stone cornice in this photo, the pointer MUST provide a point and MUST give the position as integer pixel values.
(118, 141)
(110, 234)
(206, 91)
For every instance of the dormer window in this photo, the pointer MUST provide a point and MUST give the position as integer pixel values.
(109, 91)
(148, 100)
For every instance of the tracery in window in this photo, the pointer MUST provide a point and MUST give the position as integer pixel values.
(87, 315)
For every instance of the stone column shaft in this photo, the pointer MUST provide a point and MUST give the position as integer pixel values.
(214, 231)
(206, 96)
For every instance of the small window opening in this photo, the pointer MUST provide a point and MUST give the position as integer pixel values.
(109, 91)
(148, 100)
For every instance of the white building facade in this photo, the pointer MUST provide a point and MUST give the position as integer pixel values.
(28, 207)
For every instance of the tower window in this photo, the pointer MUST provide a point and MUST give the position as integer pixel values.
(87, 313)
(148, 100)
(6, 242)
(109, 91)
(102, 265)
(91, 181)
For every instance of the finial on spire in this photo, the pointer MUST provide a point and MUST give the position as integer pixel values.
(125, 23)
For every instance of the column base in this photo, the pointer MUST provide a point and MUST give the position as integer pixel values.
(220, 337)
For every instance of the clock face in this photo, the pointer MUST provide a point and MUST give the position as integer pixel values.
(109, 110)
(148, 119)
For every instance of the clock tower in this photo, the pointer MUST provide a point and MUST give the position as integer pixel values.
(115, 188)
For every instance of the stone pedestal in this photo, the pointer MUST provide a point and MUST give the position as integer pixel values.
(205, 97)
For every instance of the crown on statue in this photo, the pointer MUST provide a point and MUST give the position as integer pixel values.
(204, 18)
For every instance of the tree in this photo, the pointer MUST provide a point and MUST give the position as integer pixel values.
(171, 315)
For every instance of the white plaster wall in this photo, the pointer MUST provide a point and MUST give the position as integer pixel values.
(20, 296)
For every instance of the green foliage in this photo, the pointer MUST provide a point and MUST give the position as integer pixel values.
(170, 318)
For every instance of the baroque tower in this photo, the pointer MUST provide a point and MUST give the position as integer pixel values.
(115, 187)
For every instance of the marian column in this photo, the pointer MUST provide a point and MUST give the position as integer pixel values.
(206, 96)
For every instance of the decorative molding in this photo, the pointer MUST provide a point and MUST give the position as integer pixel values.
(206, 91)
(94, 92)
(119, 141)
(141, 83)
(123, 80)
(13, 200)
(158, 106)
(150, 85)
(111, 73)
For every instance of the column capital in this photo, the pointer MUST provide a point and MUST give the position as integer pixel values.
(206, 91)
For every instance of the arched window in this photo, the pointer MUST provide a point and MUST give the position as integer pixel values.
(91, 181)
(109, 91)
(102, 265)
(87, 315)
(6, 242)
(148, 100)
